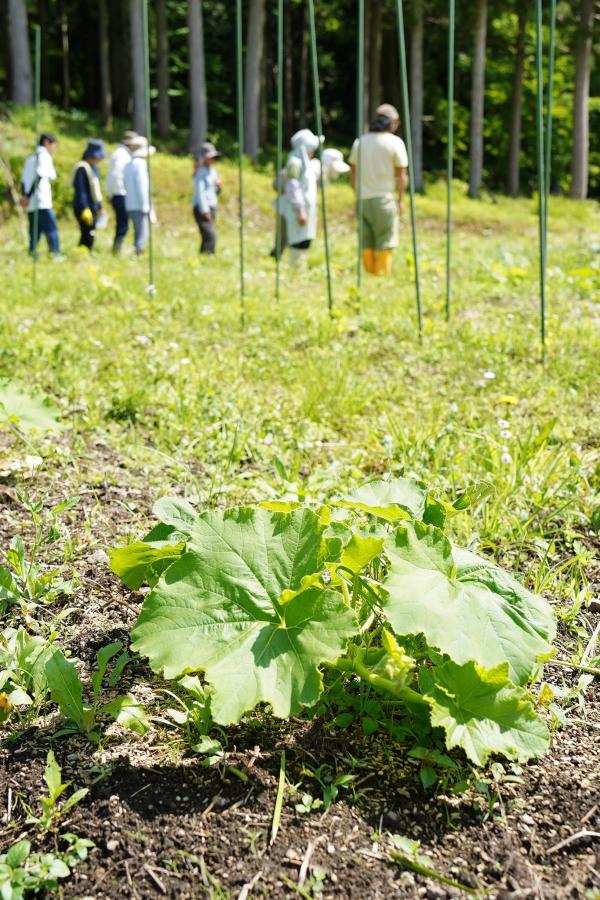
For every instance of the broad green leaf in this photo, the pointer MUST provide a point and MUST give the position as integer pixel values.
(463, 605)
(360, 551)
(399, 498)
(17, 854)
(473, 494)
(483, 712)
(134, 562)
(65, 688)
(218, 609)
(28, 409)
(129, 713)
(177, 512)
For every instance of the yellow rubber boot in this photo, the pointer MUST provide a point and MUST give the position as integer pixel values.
(383, 262)
(368, 257)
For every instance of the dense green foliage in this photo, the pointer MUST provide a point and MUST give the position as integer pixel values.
(260, 599)
(337, 52)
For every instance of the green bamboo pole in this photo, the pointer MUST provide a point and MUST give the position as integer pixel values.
(360, 124)
(409, 148)
(240, 118)
(549, 99)
(279, 146)
(36, 116)
(450, 156)
(540, 172)
(319, 126)
(148, 118)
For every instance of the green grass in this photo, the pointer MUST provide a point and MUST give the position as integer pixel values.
(300, 403)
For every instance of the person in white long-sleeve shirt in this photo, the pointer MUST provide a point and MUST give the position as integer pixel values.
(115, 187)
(36, 195)
(137, 191)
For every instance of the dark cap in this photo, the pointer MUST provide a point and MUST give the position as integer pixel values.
(207, 151)
(95, 149)
(47, 138)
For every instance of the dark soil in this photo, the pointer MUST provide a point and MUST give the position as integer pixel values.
(167, 826)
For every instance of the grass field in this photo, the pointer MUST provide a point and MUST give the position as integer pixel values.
(167, 394)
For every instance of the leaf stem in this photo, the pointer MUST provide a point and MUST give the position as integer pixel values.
(568, 665)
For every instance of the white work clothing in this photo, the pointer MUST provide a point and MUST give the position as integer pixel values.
(381, 153)
(300, 195)
(115, 177)
(39, 165)
(137, 185)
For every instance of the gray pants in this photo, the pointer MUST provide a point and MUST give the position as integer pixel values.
(208, 233)
(141, 229)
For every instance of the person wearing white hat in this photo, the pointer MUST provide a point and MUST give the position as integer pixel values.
(299, 202)
(115, 187)
(207, 187)
(333, 164)
(383, 176)
(137, 190)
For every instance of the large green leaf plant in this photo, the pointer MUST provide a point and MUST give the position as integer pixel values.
(263, 601)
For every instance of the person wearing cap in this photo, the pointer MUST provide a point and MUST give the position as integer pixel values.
(299, 205)
(115, 187)
(383, 161)
(136, 179)
(36, 195)
(87, 196)
(207, 187)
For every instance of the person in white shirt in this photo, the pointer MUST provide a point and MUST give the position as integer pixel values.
(115, 187)
(137, 191)
(383, 162)
(36, 195)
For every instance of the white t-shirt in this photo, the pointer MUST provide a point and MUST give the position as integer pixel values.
(137, 185)
(115, 181)
(39, 165)
(381, 153)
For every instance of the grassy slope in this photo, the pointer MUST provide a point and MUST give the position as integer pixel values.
(175, 385)
(188, 402)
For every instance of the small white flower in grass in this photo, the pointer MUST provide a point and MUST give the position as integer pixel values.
(505, 434)
(142, 339)
(489, 375)
(207, 310)
(503, 423)
(506, 458)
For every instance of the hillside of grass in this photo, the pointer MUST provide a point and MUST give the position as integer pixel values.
(168, 394)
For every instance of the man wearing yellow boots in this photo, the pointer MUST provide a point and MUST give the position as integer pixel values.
(383, 162)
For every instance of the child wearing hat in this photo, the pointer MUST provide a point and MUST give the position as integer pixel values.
(115, 187)
(137, 191)
(207, 187)
(87, 197)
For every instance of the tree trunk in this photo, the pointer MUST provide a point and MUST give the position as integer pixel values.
(374, 58)
(391, 69)
(416, 91)
(198, 111)
(303, 100)
(289, 112)
(137, 66)
(581, 124)
(44, 68)
(163, 108)
(66, 57)
(253, 77)
(105, 85)
(477, 100)
(367, 68)
(516, 105)
(119, 51)
(20, 58)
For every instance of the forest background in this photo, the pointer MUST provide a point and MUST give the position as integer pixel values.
(92, 60)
